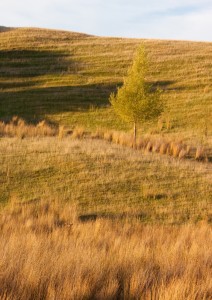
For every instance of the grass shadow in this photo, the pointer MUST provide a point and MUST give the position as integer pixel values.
(165, 85)
(111, 216)
(35, 103)
(23, 91)
(27, 64)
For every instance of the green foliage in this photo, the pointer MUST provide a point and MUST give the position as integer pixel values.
(136, 101)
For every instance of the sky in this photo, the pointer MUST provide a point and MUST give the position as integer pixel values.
(160, 19)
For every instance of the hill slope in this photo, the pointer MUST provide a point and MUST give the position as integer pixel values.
(105, 180)
(67, 78)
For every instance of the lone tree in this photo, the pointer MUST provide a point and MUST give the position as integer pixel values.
(136, 101)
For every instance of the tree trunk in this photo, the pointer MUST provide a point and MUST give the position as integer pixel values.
(135, 135)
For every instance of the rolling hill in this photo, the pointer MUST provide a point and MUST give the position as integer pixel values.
(83, 215)
(67, 77)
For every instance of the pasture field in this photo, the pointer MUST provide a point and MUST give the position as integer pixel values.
(89, 219)
(67, 78)
(83, 215)
(106, 179)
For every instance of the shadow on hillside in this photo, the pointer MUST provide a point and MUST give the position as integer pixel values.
(17, 84)
(165, 85)
(27, 64)
(21, 72)
(111, 216)
(32, 104)
(35, 103)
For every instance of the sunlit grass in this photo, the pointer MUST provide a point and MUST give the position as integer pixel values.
(105, 178)
(82, 214)
(67, 77)
(49, 252)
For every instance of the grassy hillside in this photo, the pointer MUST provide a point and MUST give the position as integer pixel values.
(105, 180)
(83, 215)
(67, 78)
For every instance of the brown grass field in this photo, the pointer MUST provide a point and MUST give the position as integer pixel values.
(48, 253)
(83, 215)
(89, 219)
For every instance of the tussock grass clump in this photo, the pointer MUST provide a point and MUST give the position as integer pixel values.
(200, 153)
(78, 132)
(149, 146)
(126, 140)
(149, 143)
(17, 127)
(156, 146)
(142, 143)
(108, 135)
(163, 148)
(116, 137)
(182, 153)
(98, 134)
(61, 132)
(48, 253)
(175, 149)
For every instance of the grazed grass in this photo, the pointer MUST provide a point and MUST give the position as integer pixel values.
(67, 77)
(105, 179)
(48, 253)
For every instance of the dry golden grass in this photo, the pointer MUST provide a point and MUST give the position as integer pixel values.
(176, 148)
(98, 134)
(150, 143)
(108, 234)
(108, 136)
(182, 153)
(61, 132)
(47, 252)
(156, 146)
(78, 132)
(18, 128)
(200, 154)
(163, 148)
